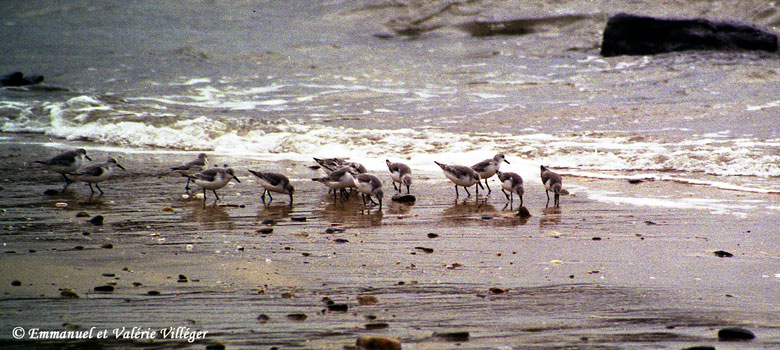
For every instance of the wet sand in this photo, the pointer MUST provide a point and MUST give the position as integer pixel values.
(589, 275)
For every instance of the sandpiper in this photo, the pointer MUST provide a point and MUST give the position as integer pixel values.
(192, 168)
(488, 167)
(401, 173)
(461, 175)
(369, 185)
(552, 182)
(95, 173)
(513, 183)
(66, 162)
(328, 165)
(339, 179)
(274, 182)
(213, 179)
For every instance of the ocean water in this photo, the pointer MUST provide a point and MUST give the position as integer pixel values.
(293, 80)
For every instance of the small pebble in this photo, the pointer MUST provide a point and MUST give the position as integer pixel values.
(367, 300)
(377, 325)
(298, 218)
(67, 294)
(432, 235)
(182, 279)
(338, 307)
(107, 246)
(51, 192)
(104, 289)
(404, 198)
(215, 346)
(97, 220)
(153, 293)
(723, 254)
(16, 283)
(82, 214)
(424, 249)
(268, 222)
(167, 209)
(453, 336)
(735, 333)
(497, 290)
(297, 317)
(377, 343)
(523, 212)
(701, 347)
(263, 318)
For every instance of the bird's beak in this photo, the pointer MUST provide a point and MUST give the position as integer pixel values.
(506, 161)
(121, 167)
(86, 156)
(237, 180)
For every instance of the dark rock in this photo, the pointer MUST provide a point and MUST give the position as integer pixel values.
(268, 222)
(215, 346)
(265, 230)
(424, 249)
(338, 307)
(18, 79)
(432, 235)
(108, 274)
(340, 240)
(497, 290)
(51, 192)
(97, 220)
(377, 343)
(722, 254)
(596, 238)
(523, 212)
(107, 246)
(403, 198)
(263, 318)
(67, 294)
(331, 230)
(735, 333)
(627, 34)
(297, 317)
(16, 283)
(701, 347)
(182, 279)
(82, 214)
(298, 218)
(486, 217)
(367, 300)
(650, 223)
(78, 247)
(153, 293)
(453, 336)
(377, 325)
(104, 289)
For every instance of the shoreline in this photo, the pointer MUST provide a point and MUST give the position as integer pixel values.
(614, 274)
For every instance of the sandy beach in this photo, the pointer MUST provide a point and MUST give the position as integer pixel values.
(436, 274)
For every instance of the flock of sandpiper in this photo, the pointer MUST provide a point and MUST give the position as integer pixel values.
(341, 175)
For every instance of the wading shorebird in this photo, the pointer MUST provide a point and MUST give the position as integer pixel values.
(340, 179)
(95, 173)
(552, 182)
(192, 168)
(369, 185)
(401, 173)
(66, 162)
(488, 167)
(213, 179)
(461, 175)
(273, 182)
(513, 183)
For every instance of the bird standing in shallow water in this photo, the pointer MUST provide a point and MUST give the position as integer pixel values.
(273, 182)
(513, 183)
(213, 179)
(95, 173)
(192, 168)
(552, 182)
(461, 175)
(340, 179)
(401, 173)
(488, 167)
(369, 185)
(66, 163)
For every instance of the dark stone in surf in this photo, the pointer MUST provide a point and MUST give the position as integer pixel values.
(432, 235)
(453, 336)
(523, 212)
(268, 222)
(16, 283)
(97, 220)
(338, 307)
(723, 254)
(104, 289)
(153, 293)
(67, 294)
(51, 192)
(735, 333)
(18, 79)
(627, 34)
(403, 198)
(298, 218)
(82, 214)
(297, 317)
